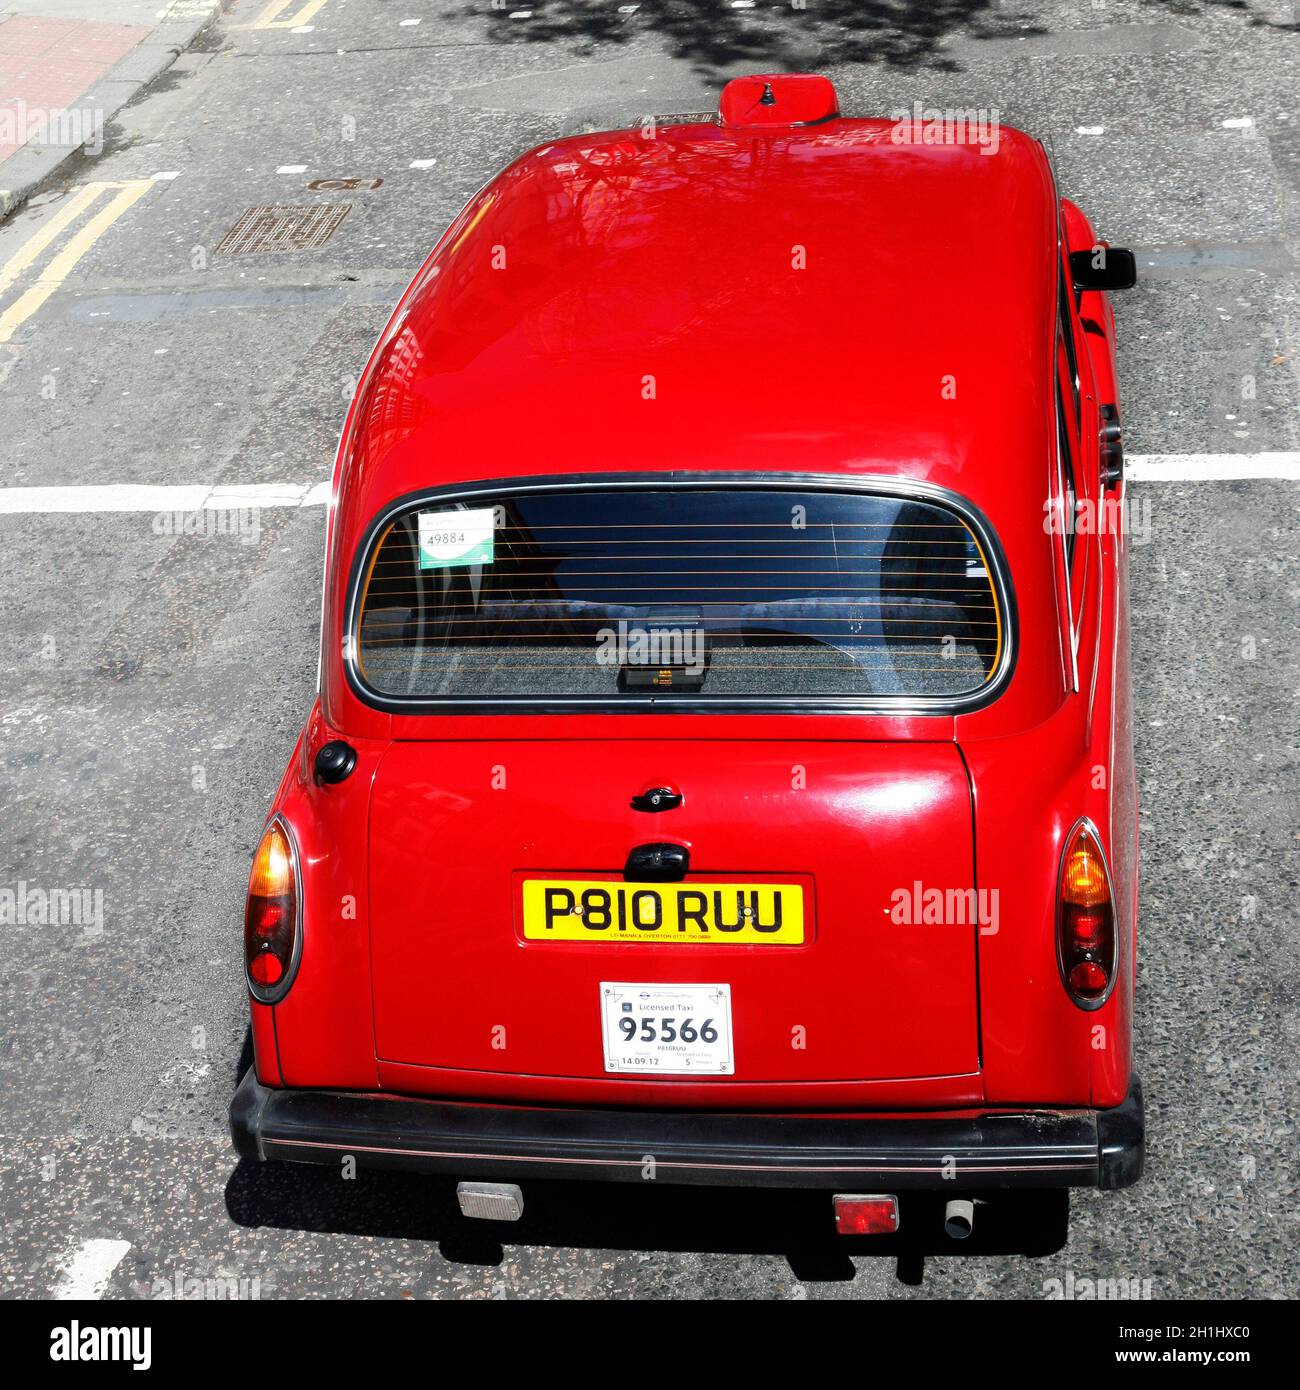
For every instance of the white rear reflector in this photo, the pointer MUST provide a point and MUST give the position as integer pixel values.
(490, 1201)
(865, 1216)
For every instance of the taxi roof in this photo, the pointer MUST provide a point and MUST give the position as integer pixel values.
(827, 298)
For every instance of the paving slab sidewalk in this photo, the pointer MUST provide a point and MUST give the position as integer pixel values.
(68, 66)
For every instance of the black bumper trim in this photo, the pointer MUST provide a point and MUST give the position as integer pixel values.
(1039, 1148)
(1121, 1140)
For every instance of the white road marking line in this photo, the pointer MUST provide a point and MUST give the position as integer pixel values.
(193, 497)
(1239, 123)
(138, 497)
(423, 163)
(292, 169)
(85, 1272)
(165, 174)
(1210, 468)
(1090, 130)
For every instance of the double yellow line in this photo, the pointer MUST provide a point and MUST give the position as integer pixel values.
(270, 17)
(57, 271)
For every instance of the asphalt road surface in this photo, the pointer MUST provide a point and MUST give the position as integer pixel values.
(153, 683)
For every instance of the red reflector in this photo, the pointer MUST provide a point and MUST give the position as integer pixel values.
(866, 1216)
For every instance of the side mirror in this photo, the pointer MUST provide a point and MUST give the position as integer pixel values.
(1103, 268)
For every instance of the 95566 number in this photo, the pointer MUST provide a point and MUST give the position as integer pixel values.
(667, 1030)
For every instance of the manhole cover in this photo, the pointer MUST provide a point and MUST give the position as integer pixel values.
(333, 185)
(279, 228)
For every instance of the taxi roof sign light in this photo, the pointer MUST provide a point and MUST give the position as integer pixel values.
(778, 99)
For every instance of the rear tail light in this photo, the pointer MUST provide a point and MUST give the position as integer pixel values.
(272, 928)
(1085, 920)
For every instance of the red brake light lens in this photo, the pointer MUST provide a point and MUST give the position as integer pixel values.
(1088, 980)
(271, 916)
(1086, 920)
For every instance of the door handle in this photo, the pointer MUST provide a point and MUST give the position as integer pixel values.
(657, 799)
(657, 863)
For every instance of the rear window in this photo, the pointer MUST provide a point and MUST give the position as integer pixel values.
(635, 595)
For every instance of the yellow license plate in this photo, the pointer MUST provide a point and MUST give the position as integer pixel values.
(742, 914)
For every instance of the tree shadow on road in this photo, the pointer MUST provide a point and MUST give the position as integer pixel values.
(712, 35)
(635, 1217)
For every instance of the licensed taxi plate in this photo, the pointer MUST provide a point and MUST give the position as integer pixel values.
(741, 914)
(667, 1030)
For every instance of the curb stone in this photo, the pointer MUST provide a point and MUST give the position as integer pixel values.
(23, 173)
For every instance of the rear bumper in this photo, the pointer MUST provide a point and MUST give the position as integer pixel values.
(1037, 1148)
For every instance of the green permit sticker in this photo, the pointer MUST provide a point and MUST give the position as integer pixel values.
(455, 538)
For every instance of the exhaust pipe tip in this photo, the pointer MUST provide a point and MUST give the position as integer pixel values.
(959, 1218)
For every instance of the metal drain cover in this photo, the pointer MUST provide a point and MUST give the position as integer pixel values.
(281, 228)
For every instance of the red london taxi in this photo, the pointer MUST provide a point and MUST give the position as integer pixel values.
(722, 770)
